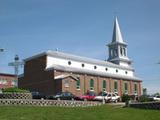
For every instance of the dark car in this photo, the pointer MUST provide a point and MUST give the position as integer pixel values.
(63, 96)
(37, 95)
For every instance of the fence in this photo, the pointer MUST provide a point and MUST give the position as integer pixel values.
(146, 105)
(16, 96)
(33, 102)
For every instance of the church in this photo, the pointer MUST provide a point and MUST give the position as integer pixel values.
(52, 72)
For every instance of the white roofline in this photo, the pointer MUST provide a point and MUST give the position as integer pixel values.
(77, 58)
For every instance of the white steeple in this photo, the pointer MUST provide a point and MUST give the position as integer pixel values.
(117, 36)
(118, 48)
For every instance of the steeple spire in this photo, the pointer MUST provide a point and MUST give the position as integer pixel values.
(118, 48)
(117, 36)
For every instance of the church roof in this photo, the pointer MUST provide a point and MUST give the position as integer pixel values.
(71, 57)
(67, 56)
(117, 36)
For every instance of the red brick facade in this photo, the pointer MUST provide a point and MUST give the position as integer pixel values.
(7, 80)
(36, 78)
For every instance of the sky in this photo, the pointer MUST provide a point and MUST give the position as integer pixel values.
(82, 27)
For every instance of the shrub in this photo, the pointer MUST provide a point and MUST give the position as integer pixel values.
(143, 98)
(14, 90)
(125, 98)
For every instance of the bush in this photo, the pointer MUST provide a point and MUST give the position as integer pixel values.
(125, 98)
(143, 98)
(14, 90)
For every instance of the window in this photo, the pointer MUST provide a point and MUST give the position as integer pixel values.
(91, 84)
(82, 65)
(115, 86)
(121, 51)
(125, 88)
(126, 72)
(111, 52)
(106, 69)
(69, 62)
(124, 50)
(14, 82)
(66, 83)
(115, 53)
(95, 67)
(104, 85)
(135, 88)
(3, 82)
(78, 83)
(116, 70)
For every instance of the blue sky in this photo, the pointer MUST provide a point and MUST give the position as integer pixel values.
(82, 27)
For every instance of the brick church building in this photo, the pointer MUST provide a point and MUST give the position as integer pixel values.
(53, 71)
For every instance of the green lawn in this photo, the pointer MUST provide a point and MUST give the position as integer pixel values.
(91, 113)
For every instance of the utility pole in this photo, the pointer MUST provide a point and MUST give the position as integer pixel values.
(16, 64)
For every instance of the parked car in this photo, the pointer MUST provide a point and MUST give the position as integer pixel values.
(155, 98)
(101, 96)
(63, 96)
(37, 95)
(108, 97)
(88, 96)
(113, 97)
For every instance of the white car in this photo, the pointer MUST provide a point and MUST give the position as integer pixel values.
(108, 97)
(102, 96)
(114, 97)
(156, 98)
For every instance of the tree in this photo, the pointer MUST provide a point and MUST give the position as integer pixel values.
(144, 91)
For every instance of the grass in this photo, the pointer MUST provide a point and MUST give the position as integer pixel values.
(91, 113)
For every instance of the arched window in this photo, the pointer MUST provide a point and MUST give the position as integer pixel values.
(126, 88)
(104, 85)
(91, 84)
(121, 51)
(115, 53)
(111, 52)
(124, 50)
(135, 88)
(66, 83)
(115, 86)
(78, 83)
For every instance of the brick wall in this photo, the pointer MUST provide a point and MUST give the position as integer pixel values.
(98, 81)
(36, 78)
(7, 80)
